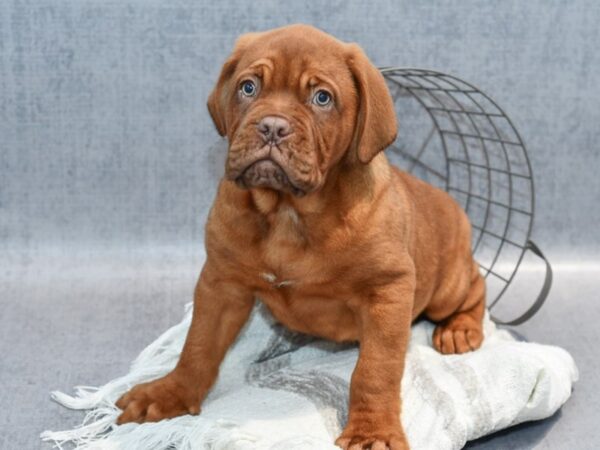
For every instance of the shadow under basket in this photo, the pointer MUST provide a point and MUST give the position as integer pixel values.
(461, 141)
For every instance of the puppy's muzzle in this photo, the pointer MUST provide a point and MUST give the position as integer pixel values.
(267, 173)
(265, 165)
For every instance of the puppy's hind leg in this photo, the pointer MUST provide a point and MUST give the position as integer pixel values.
(462, 331)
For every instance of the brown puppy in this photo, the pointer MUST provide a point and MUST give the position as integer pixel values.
(312, 220)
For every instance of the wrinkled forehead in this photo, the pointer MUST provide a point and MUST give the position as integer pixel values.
(284, 61)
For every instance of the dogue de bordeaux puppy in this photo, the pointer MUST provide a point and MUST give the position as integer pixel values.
(311, 219)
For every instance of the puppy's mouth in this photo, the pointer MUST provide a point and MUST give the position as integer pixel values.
(267, 173)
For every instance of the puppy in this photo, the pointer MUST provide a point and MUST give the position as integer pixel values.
(312, 220)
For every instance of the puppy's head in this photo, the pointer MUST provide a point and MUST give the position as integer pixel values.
(293, 102)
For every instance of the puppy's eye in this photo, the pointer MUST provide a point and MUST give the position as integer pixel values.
(322, 98)
(248, 88)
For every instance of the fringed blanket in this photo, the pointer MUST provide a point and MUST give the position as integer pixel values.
(279, 390)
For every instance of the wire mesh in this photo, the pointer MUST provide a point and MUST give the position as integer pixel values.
(460, 140)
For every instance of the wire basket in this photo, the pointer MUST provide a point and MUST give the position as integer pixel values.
(460, 140)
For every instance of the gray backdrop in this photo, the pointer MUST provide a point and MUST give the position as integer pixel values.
(107, 169)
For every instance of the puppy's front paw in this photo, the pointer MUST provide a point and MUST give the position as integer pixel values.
(363, 435)
(164, 398)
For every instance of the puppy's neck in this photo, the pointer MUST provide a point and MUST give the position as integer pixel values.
(347, 197)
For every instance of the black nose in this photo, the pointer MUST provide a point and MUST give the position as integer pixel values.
(273, 129)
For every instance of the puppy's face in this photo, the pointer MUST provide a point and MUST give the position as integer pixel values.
(292, 102)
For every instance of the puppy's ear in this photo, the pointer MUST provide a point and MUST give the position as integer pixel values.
(218, 99)
(376, 125)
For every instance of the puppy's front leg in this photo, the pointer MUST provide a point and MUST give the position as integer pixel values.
(384, 322)
(221, 307)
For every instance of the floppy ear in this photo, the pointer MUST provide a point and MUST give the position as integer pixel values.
(376, 124)
(218, 99)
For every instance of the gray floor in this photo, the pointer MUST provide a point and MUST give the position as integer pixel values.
(81, 317)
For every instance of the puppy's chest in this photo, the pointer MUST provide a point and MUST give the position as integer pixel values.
(284, 254)
(291, 255)
(303, 286)
(305, 296)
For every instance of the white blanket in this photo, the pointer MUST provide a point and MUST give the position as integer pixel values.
(282, 391)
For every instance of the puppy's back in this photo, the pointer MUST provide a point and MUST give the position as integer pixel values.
(440, 239)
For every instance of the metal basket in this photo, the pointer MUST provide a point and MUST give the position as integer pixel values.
(460, 140)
